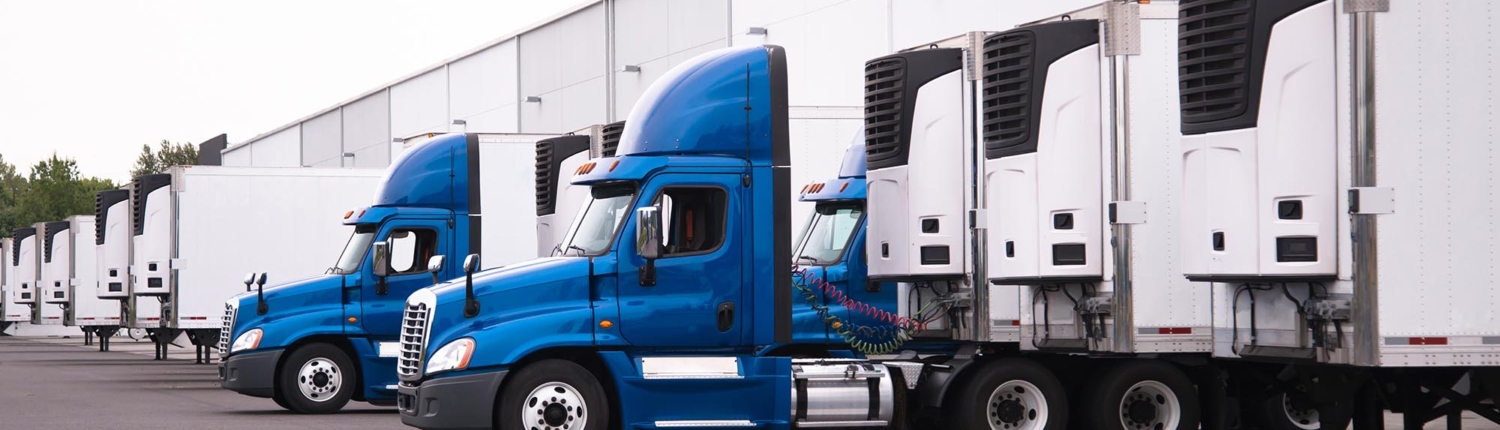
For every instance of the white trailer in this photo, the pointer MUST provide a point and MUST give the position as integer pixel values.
(70, 278)
(1341, 201)
(112, 228)
(28, 262)
(7, 304)
(198, 229)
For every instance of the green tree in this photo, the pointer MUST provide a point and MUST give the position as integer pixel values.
(166, 155)
(12, 186)
(56, 190)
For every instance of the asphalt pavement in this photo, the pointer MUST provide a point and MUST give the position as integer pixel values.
(59, 383)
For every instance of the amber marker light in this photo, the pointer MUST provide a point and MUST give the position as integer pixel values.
(606, 324)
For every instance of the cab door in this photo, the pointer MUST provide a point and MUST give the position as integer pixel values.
(696, 299)
(411, 243)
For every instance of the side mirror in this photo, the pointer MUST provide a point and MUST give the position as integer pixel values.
(249, 279)
(471, 263)
(648, 239)
(648, 235)
(261, 281)
(382, 252)
(435, 264)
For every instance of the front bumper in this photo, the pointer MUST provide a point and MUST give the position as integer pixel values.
(250, 373)
(459, 402)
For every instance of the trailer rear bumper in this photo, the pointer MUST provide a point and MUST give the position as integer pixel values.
(459, 402)
(250, 373)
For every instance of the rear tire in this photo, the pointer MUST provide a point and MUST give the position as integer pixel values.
(556, 393)
(317, 379)
(1282, 411)
(1142, 395)
(1009, 394)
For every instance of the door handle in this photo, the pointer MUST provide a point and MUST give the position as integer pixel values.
(726, 316)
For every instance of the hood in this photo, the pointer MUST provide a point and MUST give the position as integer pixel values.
(520, 275)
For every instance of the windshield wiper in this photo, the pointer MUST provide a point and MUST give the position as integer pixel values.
(813, 260)
(581, 251)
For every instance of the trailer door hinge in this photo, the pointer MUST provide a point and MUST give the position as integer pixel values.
(1372, 200)
(977, 218)
(1127, 212)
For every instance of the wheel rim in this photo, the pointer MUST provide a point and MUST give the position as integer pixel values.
(319, 379)
(1016, 405)
(1302, 418)
(554, 406)
(1150, 405)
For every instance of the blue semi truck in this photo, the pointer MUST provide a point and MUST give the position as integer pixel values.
(314, 344)
(675, 307)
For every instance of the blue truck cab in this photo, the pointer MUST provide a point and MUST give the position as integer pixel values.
(314, 344)
(681, 275)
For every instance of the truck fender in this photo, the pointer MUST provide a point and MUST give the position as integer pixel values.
(937, 380)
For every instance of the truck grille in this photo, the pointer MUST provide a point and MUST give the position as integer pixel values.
(610, 143)
(883, 93)
(229, 313)
(413, 339)
(1213, 58)
(1007, 90)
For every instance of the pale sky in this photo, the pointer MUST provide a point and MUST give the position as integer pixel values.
(95, 79)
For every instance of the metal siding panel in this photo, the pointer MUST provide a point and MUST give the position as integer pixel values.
(823, 45)
(649, 30)
(322, 140)
(373, 156)
(630, 85)
(582, 106)
(239, 157)
(282, 149)
(916, 22)
(560, 54)
(367, 122)
(481, 86)
(420, 104)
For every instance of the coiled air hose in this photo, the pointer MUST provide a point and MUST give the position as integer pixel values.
(870, 340)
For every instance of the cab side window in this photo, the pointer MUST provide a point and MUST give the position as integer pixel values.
(693, 221)
(410, 250)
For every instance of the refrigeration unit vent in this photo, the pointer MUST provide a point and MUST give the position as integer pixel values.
(15, 246)
(883, 99)
(1007, 91)
(550, 154)
(102, 201)
(48, 231)
(611, 139)
(139, 189)
(1213, 58)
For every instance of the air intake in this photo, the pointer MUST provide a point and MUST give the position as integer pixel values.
(1007, 91)
(102, 202)
(891, 85)
(550, 154)
(15, 246)
(1015, 65)
(48, 230)
(139, 189)
(611, 139)
(1221, 54)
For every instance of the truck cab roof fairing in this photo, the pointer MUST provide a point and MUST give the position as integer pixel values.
(720, 103)
(850, 185)
(432, 175)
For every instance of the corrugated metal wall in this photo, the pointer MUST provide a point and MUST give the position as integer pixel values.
(569, 73)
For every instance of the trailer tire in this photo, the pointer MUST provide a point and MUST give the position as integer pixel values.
(317, 378)
(1142, 395)
(573, 394)
(1278, 412)
(1009, 394)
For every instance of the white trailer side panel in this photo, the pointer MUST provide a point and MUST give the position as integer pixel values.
(507, 168)
(1436, 128)
(231, 221)
(9, 309)
(85, 306)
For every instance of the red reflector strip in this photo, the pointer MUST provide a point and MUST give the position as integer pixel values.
(1174, 330)
(197, 318)
(54, 318)
(1428, 341)
(1015, 322)
(87, 319)
(152, 319)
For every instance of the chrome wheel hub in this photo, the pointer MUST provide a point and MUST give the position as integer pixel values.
(319, 379)
(1016, 405)
(554, 406)
(1150, 405)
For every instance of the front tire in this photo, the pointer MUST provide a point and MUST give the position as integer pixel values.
(317, 379)
(1010, 394)
(1143, 395)
(552, 394)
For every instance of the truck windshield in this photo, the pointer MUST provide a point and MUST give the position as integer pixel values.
(828, 233)
(354, 251)
(598, 221)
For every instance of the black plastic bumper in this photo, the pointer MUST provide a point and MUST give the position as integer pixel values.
(459, 402)
(250, 373)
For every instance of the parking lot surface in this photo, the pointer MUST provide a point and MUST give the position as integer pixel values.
(59, 383)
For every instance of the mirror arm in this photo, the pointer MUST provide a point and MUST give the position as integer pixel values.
(381, 288)
(647, 275)
(260, 297)
(471, 304)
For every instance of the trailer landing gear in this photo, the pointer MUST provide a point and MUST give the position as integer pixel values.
(203, 342)
(104, 334)
(162, 337)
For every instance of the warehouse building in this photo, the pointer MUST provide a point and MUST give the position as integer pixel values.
(589, 64)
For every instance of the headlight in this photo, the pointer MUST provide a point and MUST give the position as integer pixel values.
(247, 341)
(453, 356)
